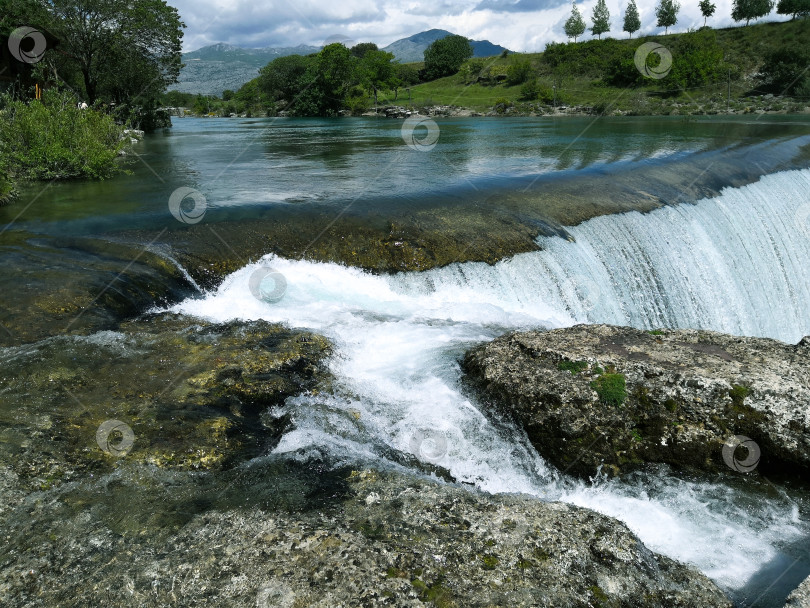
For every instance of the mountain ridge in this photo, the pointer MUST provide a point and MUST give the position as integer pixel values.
(212, 69)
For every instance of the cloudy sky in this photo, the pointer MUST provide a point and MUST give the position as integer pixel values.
(520, 25)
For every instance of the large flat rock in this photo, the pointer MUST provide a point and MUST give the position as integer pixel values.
(594, 395)
(383, 540)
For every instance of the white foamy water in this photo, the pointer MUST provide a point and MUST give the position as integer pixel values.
(737, 263)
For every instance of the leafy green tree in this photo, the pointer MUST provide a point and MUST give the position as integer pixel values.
(376, 71)
(745, 10)
(575, 25)
(360, 50)
(632, 20)
(797, 8)
(111, 41)
(601, 19)
(324, 86)
(282, 78)
(707, 8)
(404, 76)
(667, 13)
(446, 55)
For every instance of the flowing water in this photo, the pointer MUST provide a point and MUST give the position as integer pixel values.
(731, 264)
(738, 263)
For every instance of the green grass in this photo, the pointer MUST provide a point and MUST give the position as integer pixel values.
(583, 84)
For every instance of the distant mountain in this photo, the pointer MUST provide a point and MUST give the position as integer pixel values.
(411, 49)
(213, 69)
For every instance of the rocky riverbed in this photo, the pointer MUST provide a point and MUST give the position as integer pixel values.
(598, 396)
(381, 540)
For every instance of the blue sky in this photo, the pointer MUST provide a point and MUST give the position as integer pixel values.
(521, 25)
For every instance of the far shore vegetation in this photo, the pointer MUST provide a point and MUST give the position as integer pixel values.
(109, 65)
(106, 64)
(712, 71)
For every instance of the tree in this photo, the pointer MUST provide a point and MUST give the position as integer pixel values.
(113, 41)
(667, 13)
(446, 55)
(797, 8)
(707, 9)
(281, 78)
(632, 20)
(376, 71)
(575, 25)
(601, 19)
(360, 50)
(404, 76)
(745, 10)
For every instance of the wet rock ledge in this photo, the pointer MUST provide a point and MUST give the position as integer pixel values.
(617, 397)
(389, 540)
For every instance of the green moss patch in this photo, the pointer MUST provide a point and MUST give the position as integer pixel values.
(611, 388)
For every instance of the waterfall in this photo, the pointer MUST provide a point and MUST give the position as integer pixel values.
(737, 263)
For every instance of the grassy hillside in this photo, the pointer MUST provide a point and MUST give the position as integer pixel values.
(586, 74)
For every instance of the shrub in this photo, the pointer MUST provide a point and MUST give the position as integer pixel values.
(519, 71)
(53, 139)
(784, 71)
(501, 105)
(530, 90)
(611, 388)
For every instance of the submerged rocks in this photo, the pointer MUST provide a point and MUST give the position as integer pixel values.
(384, 540)
(79, 285)
(194, 395)
(595, 395)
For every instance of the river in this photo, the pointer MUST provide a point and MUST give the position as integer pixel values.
(714, 236)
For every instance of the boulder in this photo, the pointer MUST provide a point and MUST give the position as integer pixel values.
(596, 395)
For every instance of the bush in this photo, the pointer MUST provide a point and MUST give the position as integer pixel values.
(501, 105)
(784, 72)
(697, 60)
(530, 90)
(53, 139)
(519, 71)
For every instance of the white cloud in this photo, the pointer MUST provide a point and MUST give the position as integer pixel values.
(521, 25)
